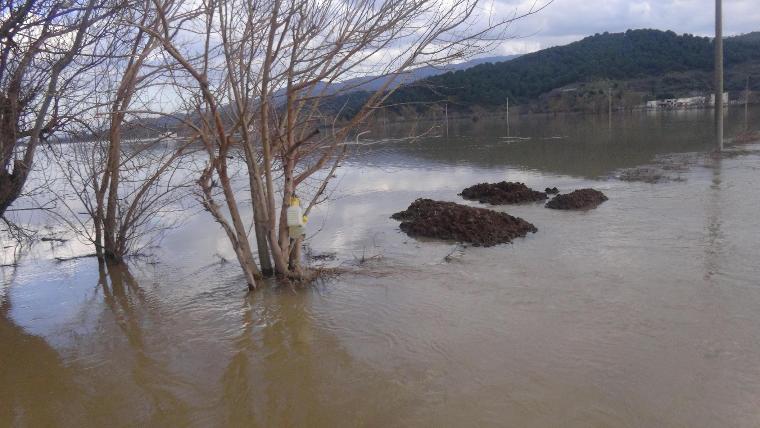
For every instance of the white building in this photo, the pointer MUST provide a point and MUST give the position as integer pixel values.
(685, 103)
(711, 100)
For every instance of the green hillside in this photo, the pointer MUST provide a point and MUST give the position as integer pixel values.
(636, 55)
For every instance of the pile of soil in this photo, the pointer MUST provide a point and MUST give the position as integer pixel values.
(579, 199)
(450, 221)
(502, 193)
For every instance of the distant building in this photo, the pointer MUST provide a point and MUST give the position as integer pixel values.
(711, 102)
(684, 103)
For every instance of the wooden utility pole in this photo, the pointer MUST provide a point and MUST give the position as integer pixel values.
(746, 106)
(446, 113)
(507, 116)
(719, 74)
(609, 107)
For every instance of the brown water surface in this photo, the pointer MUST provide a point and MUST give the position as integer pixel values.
(642, 312)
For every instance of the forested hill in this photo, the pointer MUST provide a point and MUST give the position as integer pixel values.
(619, 56)
(753, 37)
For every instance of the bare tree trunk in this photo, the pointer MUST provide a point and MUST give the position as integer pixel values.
(111, 176)
(98, 240)
(240, 246)
(11, 185)
(296, 257)
(261, 239)
(259, 208)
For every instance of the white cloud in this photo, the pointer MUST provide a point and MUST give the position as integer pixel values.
(565, 21)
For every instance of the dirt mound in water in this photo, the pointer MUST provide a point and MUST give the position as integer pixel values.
(450, 221)
(502, 193)
(579, 199)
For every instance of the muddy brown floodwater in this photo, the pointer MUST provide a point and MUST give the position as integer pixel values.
(644, 312)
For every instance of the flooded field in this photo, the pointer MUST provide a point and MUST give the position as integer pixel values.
(642, 312)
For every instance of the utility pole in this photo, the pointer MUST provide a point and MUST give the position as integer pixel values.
(507, 116)
(719, 74)
(746, 106)
(609, 107)
(446, 113)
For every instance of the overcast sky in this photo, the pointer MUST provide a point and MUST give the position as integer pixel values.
(565, 21)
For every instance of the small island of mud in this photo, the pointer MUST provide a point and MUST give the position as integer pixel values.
(450, 221)
(502, 193)
(577, 200)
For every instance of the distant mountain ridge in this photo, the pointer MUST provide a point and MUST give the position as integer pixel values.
(357, 89)
(373, 83)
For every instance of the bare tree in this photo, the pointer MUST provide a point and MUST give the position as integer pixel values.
(262, 75)
(39, 43)
(122, 172)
